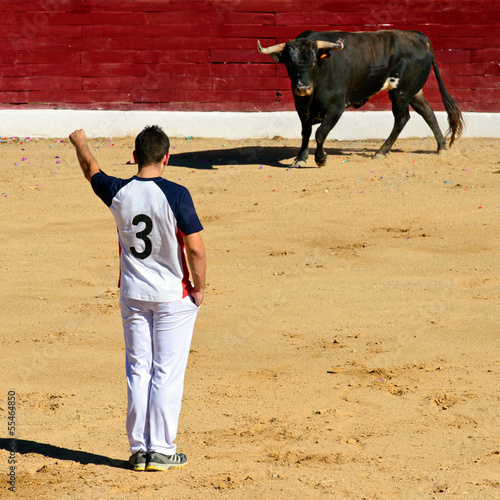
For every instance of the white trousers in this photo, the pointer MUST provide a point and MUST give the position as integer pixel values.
(157, 341)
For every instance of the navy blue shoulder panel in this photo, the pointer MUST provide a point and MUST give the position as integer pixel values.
(182, 205)
(106, 186)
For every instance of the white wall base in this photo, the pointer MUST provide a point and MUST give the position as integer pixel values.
(228, 125)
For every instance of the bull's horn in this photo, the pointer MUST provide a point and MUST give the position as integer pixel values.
(338, 45)
(272, 49)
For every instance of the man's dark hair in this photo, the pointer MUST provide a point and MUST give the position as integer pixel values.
(151, 145)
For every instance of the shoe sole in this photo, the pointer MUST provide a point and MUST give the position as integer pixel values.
(139, 467)
(160, 467)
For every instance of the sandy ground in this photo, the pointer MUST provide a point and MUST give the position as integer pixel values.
(347, 346)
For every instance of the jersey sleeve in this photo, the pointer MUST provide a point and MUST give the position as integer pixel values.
(187, 218)
(106, 186)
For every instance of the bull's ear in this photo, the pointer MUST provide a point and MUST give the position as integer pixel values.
(323, 55)
(275, 51)
(324, 48)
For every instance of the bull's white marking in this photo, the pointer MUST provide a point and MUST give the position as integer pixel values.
(391, 83)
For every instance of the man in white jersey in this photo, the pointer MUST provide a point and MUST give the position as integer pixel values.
(159, 236)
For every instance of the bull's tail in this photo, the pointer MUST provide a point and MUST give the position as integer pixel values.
(455, 118)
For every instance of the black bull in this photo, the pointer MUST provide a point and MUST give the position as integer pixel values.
(333, 70)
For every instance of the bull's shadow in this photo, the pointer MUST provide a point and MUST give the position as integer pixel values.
(273, 156)
(24, 446)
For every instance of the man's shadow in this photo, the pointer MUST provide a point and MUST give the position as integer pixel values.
(23, 446)
(273, 156)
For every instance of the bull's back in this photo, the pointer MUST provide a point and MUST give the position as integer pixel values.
(373, 45)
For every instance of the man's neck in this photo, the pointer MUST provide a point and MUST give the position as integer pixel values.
(149, 172)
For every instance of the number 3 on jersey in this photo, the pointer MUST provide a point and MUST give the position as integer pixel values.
(143, 235)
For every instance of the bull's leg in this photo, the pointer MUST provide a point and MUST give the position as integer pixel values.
(329, 121)
(423, 108)
(304, 148)
(401, 112)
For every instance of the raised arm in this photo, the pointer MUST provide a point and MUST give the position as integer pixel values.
(195, 251)
(87, 162)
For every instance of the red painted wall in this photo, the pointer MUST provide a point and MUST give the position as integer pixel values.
(201, 54)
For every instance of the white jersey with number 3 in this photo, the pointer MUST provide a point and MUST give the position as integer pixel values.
(152, 216)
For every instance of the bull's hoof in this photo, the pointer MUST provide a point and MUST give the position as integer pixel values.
(321, 162)
(379, 156)
(442, 152)
(298, 163)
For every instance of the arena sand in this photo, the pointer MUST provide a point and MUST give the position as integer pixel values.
(347, 347)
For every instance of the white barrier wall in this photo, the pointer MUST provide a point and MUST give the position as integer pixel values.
(228, 125)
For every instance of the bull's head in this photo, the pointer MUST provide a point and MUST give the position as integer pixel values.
(302, 57)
